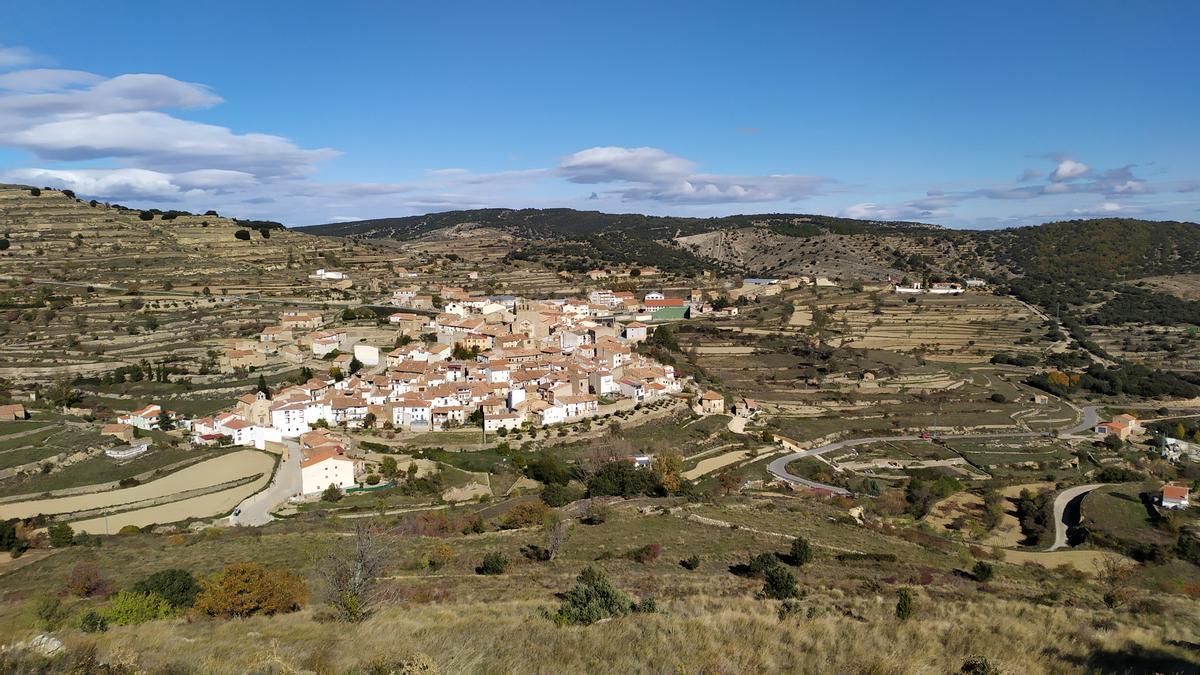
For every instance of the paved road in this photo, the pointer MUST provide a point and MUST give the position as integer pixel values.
(256, 509)
(778, 468)
(1061, 502)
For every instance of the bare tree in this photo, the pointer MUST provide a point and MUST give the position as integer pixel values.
(350, 568)
(556, 528)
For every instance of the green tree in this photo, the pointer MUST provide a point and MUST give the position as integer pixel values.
(61, 535)
(983, 571)
(801, 551)
(262, 386)
(388, 468)
(906, 606)
(165, 422)
(177, 586)
(778, 583)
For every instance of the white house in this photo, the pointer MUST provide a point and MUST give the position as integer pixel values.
(497, 421)
(144, 419)
(326, 467)
(290, 418)
(366, 354)
(1175, 497)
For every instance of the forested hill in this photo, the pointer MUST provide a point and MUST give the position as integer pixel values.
(570, 223)
(1097, 251)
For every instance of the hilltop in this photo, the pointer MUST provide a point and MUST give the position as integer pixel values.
(1093, 252)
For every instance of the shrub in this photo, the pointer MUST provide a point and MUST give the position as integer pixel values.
(525, 514)
(762, 562)
(647, 606)
(92, 621)
(246, 589)
(778, 584)
(372, 479)
(128, 609)
(788, 608)
(50, 612)
(979, 665)
(874, 557)
(557, 494)
(983, 571)
(439, 555)
(332, 494)
(494, 564)
(690, 563)
(801, 551)
(85, 580)
(906, 606)
(129, 529)
(591, 599)
(176, 586)
(646, 554)
(244, 235)
(998, 398)
(61, 535)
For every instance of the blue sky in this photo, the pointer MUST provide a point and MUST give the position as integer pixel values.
(960, 113)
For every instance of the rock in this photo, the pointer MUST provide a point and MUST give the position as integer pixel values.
(45, 645)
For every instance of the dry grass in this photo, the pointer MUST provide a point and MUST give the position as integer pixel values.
(695, 634)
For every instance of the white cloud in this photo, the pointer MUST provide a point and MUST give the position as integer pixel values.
(652, 174)
(1068, 169)
(46, 79)
(158, 141)
(11, 57)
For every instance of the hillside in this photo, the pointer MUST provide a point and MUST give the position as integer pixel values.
(52, 234)
(591, 238)
(1091, 252)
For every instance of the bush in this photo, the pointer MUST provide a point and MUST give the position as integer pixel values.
(525, 514)
(983, 571)
(557, 494)
(372, 479)
(801, 551)
(85, 580)
(788, 608)
(50, 612)
(494, 564)
(874, 557)
(332, 494)
(244, 235)
(176, 586)
(646, 554)
(92, 621)
(246, 589)
(979, 665)
(690, 563)
(591, 599)
(129, 609)
(61, 535)
(906, 606)
(778, 584)
(998, 398)
(129, 529)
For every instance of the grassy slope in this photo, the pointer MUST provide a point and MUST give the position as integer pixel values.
(1027, 619)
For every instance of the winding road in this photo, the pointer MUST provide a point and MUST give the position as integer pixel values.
(1061, 502)
(778, 468)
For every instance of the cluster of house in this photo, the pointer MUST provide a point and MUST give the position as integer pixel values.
(935, 288)
(520, 362)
